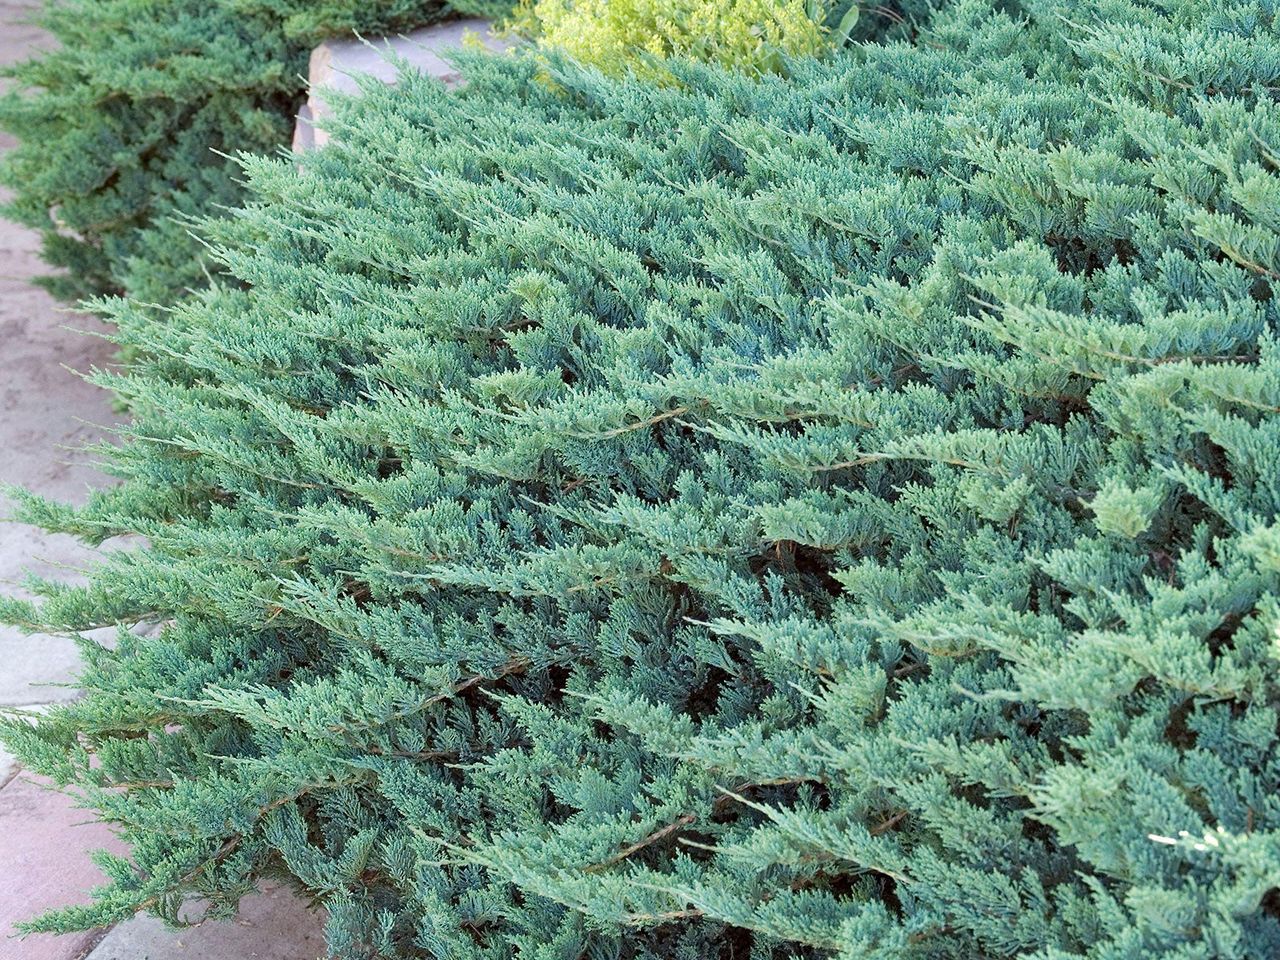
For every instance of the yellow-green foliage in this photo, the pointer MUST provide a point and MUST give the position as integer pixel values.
(615, 35)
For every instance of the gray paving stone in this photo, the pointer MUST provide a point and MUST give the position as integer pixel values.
(335, 65)
(47, 416)
(38, 668)
(274, 924)
(9, 767)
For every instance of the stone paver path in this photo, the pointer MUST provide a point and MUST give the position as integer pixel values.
(47, 416)
(45, 864)
(272, 925)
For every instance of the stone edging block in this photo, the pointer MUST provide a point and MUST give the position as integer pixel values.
(335, 64)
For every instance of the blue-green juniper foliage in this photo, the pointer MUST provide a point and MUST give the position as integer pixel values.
(832, 515)
(126, 124)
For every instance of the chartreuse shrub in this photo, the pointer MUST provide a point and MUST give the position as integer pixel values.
(125, 126)
(617, 35)
(822, 516)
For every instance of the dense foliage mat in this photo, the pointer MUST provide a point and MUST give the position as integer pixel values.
(781, 518)
(125, 125)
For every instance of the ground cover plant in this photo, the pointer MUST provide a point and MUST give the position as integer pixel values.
(791, 517)
(124, 126)
(637, 35)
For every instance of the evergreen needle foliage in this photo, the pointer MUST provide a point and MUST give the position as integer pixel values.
(621, 35)
(822, 516)
(124, 127)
